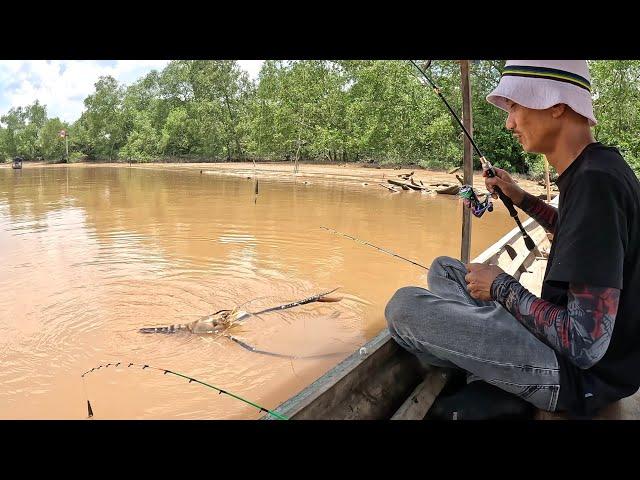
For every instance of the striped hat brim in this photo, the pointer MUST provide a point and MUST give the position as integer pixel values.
(548, 73)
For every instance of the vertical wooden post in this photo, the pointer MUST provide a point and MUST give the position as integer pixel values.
(468, 157)
(546, 174)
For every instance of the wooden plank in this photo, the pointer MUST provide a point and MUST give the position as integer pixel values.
(510, 237)
(625, 409)
(467, 120)
(419, 402)
(537, 235)
(507, 257)
(369, 384)
(516, 263)
(533, 277)
(546, 177)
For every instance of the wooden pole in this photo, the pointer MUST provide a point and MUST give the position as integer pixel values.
(546, 174)
(467, 121)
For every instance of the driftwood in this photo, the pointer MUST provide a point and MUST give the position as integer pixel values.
(441, 184)
(453, 170)
(453, 190)
(391, 189)
(406, 185)
(406, 176)
(460, 179)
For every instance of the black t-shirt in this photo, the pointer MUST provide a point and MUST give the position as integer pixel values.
(597, 242)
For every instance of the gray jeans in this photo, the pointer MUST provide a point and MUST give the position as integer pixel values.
(445, 326)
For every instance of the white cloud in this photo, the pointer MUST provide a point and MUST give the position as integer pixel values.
(252, 67)
(63, 85)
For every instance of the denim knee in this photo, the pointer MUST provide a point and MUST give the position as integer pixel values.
(399, 309)
(438, 266)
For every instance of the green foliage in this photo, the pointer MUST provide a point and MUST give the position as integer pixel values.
(103, 121)
(323, 110)
(616, 89)
(143, 141)
(51, 144)
(76, 157)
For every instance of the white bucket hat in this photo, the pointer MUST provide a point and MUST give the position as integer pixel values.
(541, 84)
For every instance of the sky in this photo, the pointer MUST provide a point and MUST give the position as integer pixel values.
(63, 85)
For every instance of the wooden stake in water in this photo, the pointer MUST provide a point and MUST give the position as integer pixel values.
(465, 247)
(255, 199)
(546, 174)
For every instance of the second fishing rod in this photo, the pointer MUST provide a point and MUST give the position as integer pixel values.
(486, 165)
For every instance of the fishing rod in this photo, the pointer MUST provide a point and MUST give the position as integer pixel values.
(377, 248)
(486, 165)
(191, 379)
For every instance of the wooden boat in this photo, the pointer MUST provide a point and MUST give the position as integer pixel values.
(383, 381)
(17, 163)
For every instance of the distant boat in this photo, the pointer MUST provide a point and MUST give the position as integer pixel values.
(17, 163)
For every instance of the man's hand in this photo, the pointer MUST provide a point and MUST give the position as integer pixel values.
(506, 184)
(480, 278)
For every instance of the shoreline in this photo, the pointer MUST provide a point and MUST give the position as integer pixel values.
(343, 173)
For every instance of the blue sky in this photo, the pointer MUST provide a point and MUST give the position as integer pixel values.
(63, 85)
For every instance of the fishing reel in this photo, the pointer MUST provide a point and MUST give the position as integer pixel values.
(472, 201)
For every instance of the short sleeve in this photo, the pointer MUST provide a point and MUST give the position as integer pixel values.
(593, 232)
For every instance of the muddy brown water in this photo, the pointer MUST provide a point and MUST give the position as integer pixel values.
(89, 254)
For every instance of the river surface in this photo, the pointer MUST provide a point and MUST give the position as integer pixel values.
(89, 254)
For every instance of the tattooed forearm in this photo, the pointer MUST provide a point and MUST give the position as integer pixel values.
(581, 332)
(543, 213)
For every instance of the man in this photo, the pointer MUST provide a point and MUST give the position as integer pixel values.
(577, 348)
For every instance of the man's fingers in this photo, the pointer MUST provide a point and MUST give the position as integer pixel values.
(493, 182)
